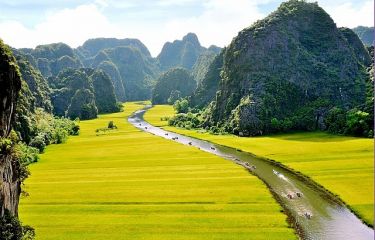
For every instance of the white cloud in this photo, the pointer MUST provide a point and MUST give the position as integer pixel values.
(174, 2)
(348, 15)
(216, 22)
(71, 26)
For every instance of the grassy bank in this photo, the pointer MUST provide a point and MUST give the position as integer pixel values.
(128, 184)
(343, 165)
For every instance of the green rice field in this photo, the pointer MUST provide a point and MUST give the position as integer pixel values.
(128, 184)
(343, 165)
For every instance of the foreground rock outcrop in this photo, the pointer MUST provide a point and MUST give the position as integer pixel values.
(10, 85)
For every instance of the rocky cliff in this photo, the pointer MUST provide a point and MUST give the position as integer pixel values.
(10, 82)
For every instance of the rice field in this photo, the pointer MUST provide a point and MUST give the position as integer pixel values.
(343, 165)
(128, 184)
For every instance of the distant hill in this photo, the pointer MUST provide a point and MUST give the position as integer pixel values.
(366, 34)
(127, 62)
(182, 53)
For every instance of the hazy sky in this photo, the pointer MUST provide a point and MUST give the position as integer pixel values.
(27, 23)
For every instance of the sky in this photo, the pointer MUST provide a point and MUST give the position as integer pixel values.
(28, 23)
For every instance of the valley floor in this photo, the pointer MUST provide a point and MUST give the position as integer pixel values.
(128, 184)
(343, 165)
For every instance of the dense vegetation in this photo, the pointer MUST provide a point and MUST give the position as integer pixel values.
(174, 84)
(366, 34)
(286, 72)
(36, 83)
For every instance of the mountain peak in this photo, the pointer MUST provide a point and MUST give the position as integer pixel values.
(191, 37)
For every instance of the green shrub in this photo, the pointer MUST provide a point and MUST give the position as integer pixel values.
(10, 227)
(181, 106)
(75, 130)
(185, 120)
(335, 121)
(111, 125)
(357, 123)
(26, 154)
(60, 135)
(38, 142)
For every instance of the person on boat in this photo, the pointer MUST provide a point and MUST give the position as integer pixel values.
(308, 215)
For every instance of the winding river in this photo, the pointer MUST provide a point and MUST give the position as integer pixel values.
(314, 213)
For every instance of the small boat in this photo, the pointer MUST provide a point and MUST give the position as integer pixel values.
(212, 148)
(308, 215)
(190, 143)
(253, 167)
(275, 172)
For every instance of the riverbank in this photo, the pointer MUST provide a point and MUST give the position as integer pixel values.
(343, 165)
(127, 183)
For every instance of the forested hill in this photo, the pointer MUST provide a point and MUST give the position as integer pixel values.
(183, 53)
(293, 70)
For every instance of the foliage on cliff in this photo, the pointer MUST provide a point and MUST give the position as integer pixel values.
(172, 85)
(207, 88)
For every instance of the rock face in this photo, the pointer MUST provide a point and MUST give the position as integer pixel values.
(293, 63)
(202, 65)
(208, 86)
(10, 84)
(359, 49)
(172, 85)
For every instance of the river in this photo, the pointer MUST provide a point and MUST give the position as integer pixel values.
(311, 210)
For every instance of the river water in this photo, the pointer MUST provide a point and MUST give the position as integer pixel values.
(314, 213)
